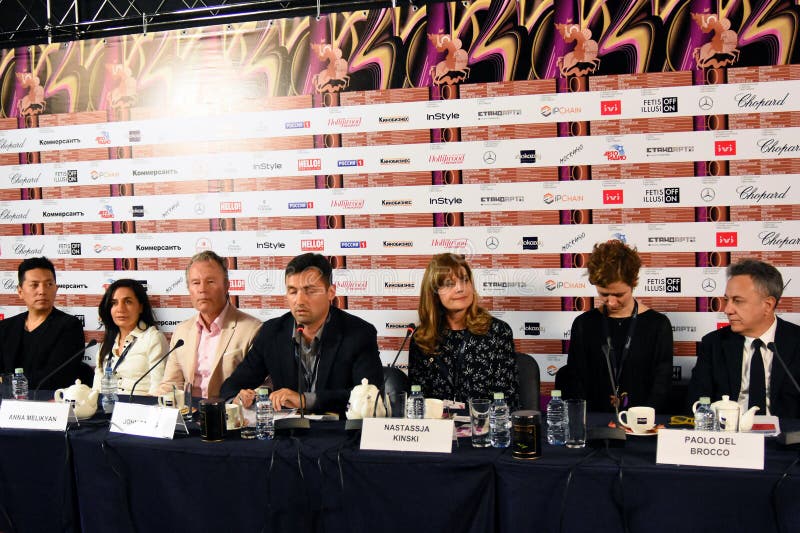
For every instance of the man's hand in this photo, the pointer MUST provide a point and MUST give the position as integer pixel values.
(285, 398)
(246, 396)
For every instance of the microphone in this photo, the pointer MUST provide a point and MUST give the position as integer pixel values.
(296, 423)
(356, 424)
(160, 360)
(786, 438)
(62, 365)
(410, 328)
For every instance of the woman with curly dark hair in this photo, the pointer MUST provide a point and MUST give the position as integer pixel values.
(621, 337)
(132, 342)
(459, 351)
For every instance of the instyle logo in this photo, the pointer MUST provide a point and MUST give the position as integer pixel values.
(611, 107)
(266, 165)
(313, 163)
(353, 244)
(727, 239)
(230, 207)
(613, 196)
(267, 245)
(297, 125)
(442, 116)
(724, 148)
(350, 163)
(312, 245)
(446, 201)
(301, 205)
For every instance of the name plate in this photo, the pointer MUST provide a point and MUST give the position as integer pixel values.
(407, 435)
(50, 416)
(146, 420)
(710, 448)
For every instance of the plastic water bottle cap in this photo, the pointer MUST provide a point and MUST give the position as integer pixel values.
(18, 371)
(262, 391)
(416, 388)
(556, 393)
(499, 396)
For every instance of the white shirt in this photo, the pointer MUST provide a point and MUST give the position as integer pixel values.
(766, 356)
(150, 344)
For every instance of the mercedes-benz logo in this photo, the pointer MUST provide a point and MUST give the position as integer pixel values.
(705, 103)
(492, 243)
(489, 157)
(707, 194)
(709, 285)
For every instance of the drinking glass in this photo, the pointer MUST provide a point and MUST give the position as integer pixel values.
(479, 420)
(395, 403)
(576, 423)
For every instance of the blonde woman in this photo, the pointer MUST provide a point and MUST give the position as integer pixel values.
(459, 351)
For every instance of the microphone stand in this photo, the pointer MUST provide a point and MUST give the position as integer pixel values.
(302, 422)
(62, 365)
(606, 434)
(160, 360)
(786, 438)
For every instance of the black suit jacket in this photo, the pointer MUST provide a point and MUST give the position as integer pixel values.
(349, 352)
(718, 369)
(61, 338)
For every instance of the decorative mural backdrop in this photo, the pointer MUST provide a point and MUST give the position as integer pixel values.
(517, 133)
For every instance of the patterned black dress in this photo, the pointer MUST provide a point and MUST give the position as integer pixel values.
(467, 365)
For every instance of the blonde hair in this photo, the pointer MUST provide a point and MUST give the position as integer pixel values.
(431, 311)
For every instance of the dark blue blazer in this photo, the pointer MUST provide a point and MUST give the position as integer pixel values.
(349, 352)
(718, 369)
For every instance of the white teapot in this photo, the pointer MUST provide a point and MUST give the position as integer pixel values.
(745, 419)
(362, 402)
(83, 399)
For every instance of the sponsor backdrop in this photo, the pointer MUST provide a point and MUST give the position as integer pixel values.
(515, 133)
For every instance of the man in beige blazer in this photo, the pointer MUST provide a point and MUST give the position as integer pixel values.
(216, 339)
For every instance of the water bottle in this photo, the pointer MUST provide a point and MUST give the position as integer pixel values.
(265, 416)
(19, 385)
(108, 388)
(556, 420)
(499, 422)
(704, 417)
(415, 405)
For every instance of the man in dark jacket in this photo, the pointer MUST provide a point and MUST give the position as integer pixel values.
(43, 337)
(334, 350)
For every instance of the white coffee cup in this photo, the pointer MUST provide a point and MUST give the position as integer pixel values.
(638, 419)
(433, 408)
(233, 416)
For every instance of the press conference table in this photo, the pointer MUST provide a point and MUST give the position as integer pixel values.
(321, 481)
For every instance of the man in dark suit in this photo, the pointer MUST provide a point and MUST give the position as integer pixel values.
(334, 349)
(43, 337)
(738, 360)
